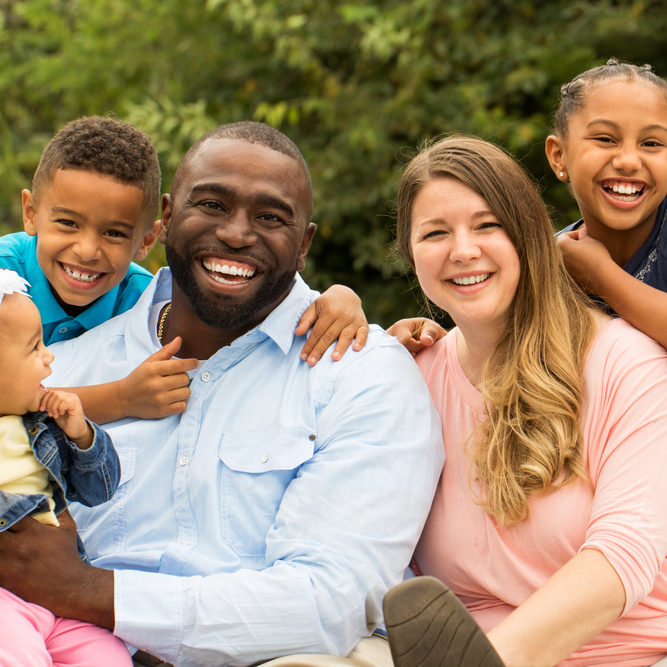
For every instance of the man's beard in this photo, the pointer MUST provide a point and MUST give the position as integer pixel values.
(218, 310)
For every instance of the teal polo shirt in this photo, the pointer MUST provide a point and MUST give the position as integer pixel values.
(19, 252)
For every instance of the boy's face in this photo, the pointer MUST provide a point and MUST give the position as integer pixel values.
(23, 357)
(89, 227)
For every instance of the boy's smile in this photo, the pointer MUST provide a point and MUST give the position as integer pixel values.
(89, 227)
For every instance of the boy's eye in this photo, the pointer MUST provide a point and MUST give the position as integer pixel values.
(65, 222)
(116, 234)
(652, 143)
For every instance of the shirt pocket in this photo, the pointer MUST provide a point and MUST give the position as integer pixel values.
(257, 467)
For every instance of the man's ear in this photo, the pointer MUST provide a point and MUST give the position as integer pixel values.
(167, 207)
(305, 245)
(29, 209)
(553, 147)
(147, 242)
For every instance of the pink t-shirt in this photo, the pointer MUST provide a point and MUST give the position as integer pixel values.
(493, 569)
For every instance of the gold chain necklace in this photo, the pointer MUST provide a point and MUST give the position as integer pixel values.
(163, 319)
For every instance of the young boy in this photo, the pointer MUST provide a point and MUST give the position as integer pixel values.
(92, 210)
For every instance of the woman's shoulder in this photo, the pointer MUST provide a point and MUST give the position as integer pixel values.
(618, 345)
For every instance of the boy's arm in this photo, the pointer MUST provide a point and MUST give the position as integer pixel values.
(157, 388)
(591, 265)
(337, 314)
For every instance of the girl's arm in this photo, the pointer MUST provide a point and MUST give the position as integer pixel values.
(591, 265)
(579, 601)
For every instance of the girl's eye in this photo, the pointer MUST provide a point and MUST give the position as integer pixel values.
(490, 225)
(433, 234)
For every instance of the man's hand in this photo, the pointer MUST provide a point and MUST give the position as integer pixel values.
(416, 333)
(40, 564)
(159, 386)
(337, 314)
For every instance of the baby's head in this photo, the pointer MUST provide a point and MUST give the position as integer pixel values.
(23, 357)
(93, 207)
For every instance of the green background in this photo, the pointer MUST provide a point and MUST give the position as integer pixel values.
(357, 85)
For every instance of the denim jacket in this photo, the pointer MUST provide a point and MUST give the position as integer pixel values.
(88, 476)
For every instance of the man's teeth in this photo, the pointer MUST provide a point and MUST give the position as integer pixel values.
(470, 280)
(229, 270)
(83, 277)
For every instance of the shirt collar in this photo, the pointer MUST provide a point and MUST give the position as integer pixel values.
(279, 324)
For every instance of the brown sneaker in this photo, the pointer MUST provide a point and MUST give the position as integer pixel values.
(427, 626)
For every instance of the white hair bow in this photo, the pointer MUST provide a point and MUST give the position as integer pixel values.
(11, 282)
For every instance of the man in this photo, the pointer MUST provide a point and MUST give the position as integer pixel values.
(273, 514)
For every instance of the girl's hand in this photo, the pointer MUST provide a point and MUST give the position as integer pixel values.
(416, 333)
(337, 314)
(583, 256)
(67, 411)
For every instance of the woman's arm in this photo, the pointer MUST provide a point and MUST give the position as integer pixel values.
(579, 601)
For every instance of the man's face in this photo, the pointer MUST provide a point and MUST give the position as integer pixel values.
(236, 230)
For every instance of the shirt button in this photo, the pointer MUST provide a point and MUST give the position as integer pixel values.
(33, 430)
(312, 437)
(183, 460)
(63, 330)
(265, 458)
(205, 376)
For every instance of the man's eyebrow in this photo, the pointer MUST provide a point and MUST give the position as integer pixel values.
(261, 199)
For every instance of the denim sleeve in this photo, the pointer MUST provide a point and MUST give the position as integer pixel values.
(91, 474)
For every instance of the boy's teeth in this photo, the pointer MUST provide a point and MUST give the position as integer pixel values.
(470, 280)
(83, 277)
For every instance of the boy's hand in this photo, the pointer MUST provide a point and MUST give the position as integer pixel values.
(583, 255)
(67, 411)
(159, 386)
(337, 314)
(416, 333)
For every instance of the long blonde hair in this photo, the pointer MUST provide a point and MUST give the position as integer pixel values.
(531, 441)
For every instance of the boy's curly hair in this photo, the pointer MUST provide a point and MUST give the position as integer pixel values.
(109, 146)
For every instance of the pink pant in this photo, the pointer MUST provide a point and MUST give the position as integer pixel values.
(33, 637)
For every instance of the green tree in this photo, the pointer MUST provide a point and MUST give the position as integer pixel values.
(357, 84)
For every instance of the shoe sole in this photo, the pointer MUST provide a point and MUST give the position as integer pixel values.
(427, 626)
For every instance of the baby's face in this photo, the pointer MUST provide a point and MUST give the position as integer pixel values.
(23, 357)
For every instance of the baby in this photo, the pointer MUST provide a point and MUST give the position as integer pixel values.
(49, 451)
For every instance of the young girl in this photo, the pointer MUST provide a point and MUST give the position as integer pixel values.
(549, 520)
(49, 451)
(610, 145)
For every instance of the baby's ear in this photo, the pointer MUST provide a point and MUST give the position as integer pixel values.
(147, 242)
(29, 208)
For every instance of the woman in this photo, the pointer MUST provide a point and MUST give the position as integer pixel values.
(549, 523)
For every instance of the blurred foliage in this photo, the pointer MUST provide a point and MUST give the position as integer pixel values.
(357, 84)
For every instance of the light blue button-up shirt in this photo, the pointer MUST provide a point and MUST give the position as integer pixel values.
(274, 513)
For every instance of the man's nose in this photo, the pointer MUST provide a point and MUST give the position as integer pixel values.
(237, 230)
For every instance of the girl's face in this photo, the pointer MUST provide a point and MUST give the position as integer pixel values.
(615, 156)
(24, 359)
(464, 259)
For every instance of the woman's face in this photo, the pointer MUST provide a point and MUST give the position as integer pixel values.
(464, 259)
